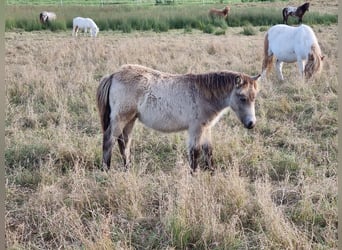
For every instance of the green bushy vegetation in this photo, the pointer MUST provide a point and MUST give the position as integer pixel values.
(156, 18)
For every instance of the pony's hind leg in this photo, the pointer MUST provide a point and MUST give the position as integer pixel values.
(107, 145)
(124, 142)
(116, 129)
(279, 66)
(75, 30)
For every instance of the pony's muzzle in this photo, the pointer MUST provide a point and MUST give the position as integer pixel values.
(249, 123)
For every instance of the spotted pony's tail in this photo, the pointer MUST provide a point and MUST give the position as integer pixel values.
(285, 15)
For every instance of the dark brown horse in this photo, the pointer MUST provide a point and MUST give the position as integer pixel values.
(295, 12)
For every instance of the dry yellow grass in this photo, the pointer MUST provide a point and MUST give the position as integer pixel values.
(275, 186)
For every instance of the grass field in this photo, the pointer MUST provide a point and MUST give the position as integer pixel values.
(275, 186)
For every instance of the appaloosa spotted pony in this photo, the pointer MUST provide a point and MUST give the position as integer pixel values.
(170, 103)
(295, 12)
(46, 17)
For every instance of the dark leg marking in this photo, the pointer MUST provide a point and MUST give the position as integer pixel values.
(123, 143)
(107, 146)
(208, 157)
(193, 156)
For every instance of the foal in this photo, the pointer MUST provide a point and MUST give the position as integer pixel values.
(295, 12)
(171, 103)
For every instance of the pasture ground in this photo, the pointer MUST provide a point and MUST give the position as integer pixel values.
(275, 186)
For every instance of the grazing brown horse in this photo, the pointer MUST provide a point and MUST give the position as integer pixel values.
(295, 12)
(220, 13)
(171, 103)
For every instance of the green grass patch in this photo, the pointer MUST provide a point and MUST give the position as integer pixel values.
(248, 31)
(26, 155)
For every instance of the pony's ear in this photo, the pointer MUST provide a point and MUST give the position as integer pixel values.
(255, 78)
(322, 57)
(238, 81)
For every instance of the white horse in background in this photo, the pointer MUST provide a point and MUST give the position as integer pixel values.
(85, 24)
(46, 16)
(292, 44)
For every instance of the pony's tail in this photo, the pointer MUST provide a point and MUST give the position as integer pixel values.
(268, 59)
(315, 61)
(102, 97)
(285, 15)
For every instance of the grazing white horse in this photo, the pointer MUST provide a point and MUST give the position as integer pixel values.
(85, 24)
(292, 44)
(170, 103)
(46, 16)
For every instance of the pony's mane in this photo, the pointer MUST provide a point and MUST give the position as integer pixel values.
(314, 63)
(304, 6)
(215, 85)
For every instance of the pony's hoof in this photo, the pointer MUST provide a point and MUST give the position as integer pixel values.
(104, 167)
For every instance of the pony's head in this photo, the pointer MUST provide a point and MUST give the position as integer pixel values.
(43, 17)
(305, 6)
(314, 63)
(242, 99)
(94, 31)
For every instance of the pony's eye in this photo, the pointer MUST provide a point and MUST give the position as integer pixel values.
(243, 99)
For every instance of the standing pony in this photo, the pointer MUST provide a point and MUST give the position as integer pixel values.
(295, 12)
(171, 103)
(85, 24)
(220, 13)
(46, 17)
(290, 44)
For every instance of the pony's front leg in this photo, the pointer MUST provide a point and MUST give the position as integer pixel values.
(194, 147)
(207, 150)
(194, 153)
(300, 20)
(279, 67)
(300, 64)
